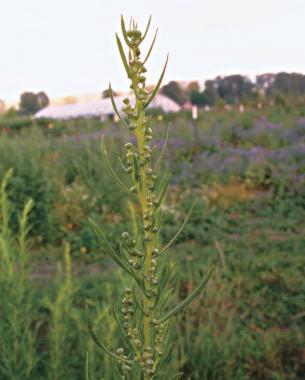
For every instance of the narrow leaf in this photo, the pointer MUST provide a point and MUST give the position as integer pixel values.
(177, 234)
(163, 188)
(122, 54)
(151, 47)
(146, 30)
(190, 298)
(87, 366)
(99, 343)
(101, 236)
(122, 164)
(158, 85)
(116, 109)
(124, 31)
(111, 170)
(168, 133)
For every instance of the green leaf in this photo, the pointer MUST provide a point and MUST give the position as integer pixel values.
(146, 30)
(124, 31)
(151, 47)
(87, 366)
(116, 109)
(110, 168)
(101, 236)
(177, 234)
(158, 85)
(168, 133)
(99, 343)
(123, 56)
(162, 187)
(189, 299)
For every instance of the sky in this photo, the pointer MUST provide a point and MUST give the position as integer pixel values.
(67, 47)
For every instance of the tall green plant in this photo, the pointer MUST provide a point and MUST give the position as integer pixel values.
(145, 310)
(17, 328)
(61, 315)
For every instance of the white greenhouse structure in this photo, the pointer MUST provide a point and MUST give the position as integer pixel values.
(101, 108)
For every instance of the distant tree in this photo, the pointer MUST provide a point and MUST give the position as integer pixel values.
(106, 93)
(197, 98)
(210, 93)
(193, 87)
(288, 84)
(208, 96)
(42, 99)
(174, 91)
(30, 102)
(234, 88)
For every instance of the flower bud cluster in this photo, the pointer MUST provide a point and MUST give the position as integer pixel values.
(130, 246)
(146, 361)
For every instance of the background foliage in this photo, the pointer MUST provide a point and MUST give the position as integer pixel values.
(248, 173)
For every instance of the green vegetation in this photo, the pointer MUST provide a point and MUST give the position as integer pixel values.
(144, 314)
(249, 178)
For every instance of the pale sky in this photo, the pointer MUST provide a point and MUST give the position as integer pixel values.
(67, 47)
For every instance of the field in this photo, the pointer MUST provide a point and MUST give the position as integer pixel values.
(248, 172)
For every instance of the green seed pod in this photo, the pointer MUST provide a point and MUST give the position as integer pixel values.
(125, 235)
(126, 101)
(155, 252)
(149, 362)
(146, 216)
(133, 189)
(128, 146)
(137, 342)
(120, 351)
(147, 227)
(125, 325)
(128, 291)
(137, 266)
(126, 367)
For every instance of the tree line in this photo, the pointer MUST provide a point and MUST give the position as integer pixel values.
(231, 90)
(237, 89)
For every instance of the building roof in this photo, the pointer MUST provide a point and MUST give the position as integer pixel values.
(101, 107)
